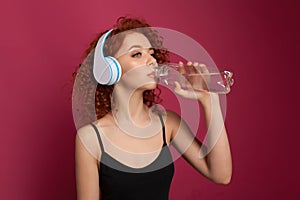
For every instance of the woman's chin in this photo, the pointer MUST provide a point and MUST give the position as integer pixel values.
(150, 86)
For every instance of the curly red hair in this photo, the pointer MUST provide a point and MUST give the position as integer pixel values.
(100, 101)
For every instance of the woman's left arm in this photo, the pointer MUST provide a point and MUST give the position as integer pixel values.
(213, 159)
(218, 159)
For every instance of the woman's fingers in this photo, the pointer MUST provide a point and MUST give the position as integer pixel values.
(181, 68)
(196, 74)
(193, 67)
(190, 94)
(203, 68)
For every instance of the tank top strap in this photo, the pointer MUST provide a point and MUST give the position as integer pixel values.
(99, 137)
(163, 128)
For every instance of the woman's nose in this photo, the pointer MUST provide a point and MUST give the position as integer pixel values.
(151, 61)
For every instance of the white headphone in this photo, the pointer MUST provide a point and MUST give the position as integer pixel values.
(107, 70)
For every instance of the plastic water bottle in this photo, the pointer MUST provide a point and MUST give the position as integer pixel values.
(197, 78)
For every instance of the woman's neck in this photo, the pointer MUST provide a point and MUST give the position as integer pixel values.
(129, 105)
(131, 115)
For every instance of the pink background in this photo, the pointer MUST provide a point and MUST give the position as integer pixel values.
(42, 41)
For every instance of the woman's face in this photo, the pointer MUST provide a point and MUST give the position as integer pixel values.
(136, 59)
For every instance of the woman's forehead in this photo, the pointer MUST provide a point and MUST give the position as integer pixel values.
(133, 40)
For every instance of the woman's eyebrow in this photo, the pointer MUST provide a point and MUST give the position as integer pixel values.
(138, 46)
(135, 46)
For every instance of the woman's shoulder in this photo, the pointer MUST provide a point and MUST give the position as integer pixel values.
(85, 130)
(172, 116)
(105, 121)
(87, 135)
(171, 120)
(89, 129)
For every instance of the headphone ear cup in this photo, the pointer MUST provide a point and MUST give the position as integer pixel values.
(115, 70)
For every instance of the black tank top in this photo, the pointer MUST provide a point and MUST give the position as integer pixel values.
(118, 181)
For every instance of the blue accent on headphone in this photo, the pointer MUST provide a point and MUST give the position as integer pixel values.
(118, 68)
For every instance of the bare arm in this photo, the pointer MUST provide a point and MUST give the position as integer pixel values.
(218, 160)
(217, 164)
(87, 179)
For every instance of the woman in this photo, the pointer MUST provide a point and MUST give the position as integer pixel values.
(126, 150)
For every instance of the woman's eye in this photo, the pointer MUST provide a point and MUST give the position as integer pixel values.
(138, 54)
